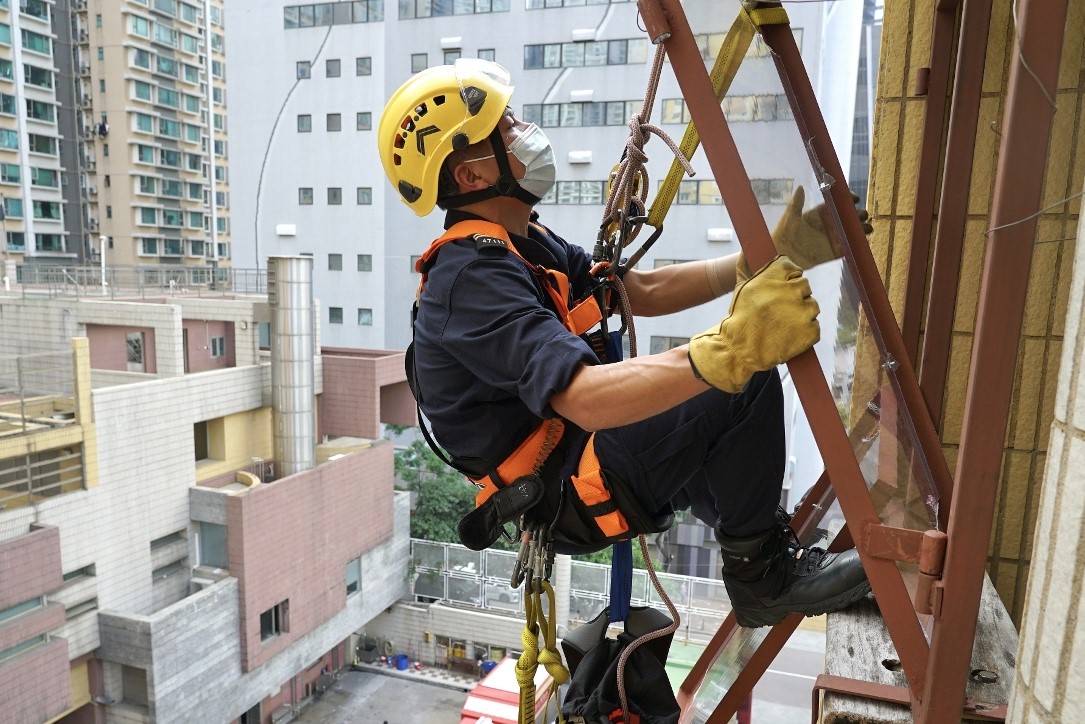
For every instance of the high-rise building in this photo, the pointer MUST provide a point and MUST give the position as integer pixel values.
(308, 82)
(114, 132)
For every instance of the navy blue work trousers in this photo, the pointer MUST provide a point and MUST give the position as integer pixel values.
(721, 455)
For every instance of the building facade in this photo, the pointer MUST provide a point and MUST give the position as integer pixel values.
(113, 133)
(158, 560)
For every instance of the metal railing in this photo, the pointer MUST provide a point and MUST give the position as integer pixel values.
(55, 280)
(451, 572)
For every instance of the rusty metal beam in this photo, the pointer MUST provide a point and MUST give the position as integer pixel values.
(936, 90)
(953, 206)
(1018, 191)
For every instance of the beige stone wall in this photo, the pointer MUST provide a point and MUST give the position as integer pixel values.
(898, 134)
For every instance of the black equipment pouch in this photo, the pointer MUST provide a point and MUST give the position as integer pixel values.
(481, 528)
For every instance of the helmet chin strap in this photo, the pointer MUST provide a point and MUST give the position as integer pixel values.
(506, 184)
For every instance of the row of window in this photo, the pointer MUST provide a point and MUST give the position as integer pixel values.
(170, 98)
(151, 216)
(581, 53)
(444, 8)
(540, 4)
(164, 34)
(152, 185)
(161, 65)
(365, 316)
(363, 196)
(152, 246)
(692, 191)
(36, 110)
(32, 41)
(365, 262)
(420, 61)
(184, 11)
(333, 67)
(673, 110)
(42, 242)
(337, 13)
(32, 74)
(45, 210)
(333, 122)
(11, 173)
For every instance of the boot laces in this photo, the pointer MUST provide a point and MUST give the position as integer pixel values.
(793, 559)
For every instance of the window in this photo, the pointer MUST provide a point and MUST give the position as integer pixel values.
(13, 208)
(9, 138)
(365, 262)
(171, 217)
(40, 77)
(141, 90)
(419, 62)
(576, 192)
(364, 121)
(41, 144)
(172, 247)
(335, 262)
(144, 123)
(365, 195)
(487, 54)
(363, 66)
(212, 545)
(167, 97)
(452, 55)
(602, 113)
(303, 69)
(354, 576)
(218, 347)
(37, 42)
(147, 184)
(139, 26)
(335, 196)
(144, 154)
(335, 315)
(305, 196)
(10, 173)
(149, 247)
(148, 216)
(365, 317)
(332, 68)
(274, 621)
(134, 351)
(335, 122)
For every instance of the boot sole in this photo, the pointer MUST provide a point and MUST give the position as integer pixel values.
(772, 615)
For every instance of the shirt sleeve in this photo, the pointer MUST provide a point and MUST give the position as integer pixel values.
(499, 329)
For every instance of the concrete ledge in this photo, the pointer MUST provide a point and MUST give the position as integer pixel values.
(857, 646)
(428, 675)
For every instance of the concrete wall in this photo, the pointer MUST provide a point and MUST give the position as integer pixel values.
(290, 542)
(109, 347)
(406, 624)
(897, 136)
(1051, 649)
(363, 389)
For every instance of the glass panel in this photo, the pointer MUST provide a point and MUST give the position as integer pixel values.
(463, 560)
(860, 376)
(428, 555)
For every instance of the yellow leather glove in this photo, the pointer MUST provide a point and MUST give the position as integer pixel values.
(773, 318)
(803, 237)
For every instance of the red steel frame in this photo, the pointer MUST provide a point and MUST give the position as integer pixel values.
(936, 675)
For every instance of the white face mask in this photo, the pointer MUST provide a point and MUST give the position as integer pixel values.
(532, 148)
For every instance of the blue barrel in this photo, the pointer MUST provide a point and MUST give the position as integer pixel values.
(402, 662)
(488, 666)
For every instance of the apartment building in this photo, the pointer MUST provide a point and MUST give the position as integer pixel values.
(113, 133)
(192, 528)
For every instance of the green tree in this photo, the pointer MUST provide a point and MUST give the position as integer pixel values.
(443, 496)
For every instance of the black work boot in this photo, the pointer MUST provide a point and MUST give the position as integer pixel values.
(772, 575)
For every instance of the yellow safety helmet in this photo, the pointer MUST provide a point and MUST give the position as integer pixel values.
(438, 111)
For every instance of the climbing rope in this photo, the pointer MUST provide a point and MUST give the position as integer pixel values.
(623, 219)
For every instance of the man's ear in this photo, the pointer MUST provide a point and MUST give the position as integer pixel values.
(467, 179)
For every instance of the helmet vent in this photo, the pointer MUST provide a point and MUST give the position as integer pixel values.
(438, 100)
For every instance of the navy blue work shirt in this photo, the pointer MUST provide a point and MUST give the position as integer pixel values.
(490, 350)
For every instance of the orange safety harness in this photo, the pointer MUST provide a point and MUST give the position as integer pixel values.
(530, 456)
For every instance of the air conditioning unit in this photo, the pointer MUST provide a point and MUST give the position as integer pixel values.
(93, 190)
(81, 5)
(83, 35)
(85, 68)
